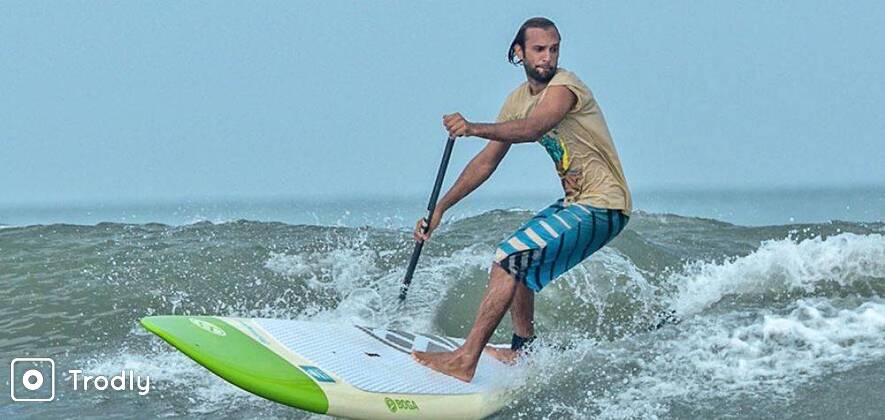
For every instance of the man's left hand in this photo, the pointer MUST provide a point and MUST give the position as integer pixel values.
(456, 125)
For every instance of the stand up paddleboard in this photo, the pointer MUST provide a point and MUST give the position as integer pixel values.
(347, 371)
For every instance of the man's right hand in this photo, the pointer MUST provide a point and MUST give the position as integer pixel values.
(419, 233)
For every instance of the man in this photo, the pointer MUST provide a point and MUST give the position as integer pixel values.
(553, 108)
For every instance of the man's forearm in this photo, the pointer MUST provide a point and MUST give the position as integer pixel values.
(473, 175)
(516, 131)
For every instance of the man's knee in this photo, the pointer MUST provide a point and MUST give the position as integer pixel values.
(499, 272)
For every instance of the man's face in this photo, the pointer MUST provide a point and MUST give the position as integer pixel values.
(541, 53)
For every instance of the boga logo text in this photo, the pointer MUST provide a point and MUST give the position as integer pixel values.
(395, 405)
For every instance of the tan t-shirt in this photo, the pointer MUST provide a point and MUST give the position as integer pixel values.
(580, 145)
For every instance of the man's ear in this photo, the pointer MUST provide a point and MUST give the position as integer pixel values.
(517, 49)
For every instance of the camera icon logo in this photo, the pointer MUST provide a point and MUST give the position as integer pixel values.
(32, 379)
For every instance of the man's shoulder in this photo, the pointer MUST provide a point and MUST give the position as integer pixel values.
(571, 81)
(566, 77)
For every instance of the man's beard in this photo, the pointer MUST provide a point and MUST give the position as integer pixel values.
(533, 73)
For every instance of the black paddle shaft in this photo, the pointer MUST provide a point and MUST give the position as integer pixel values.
(431, 207)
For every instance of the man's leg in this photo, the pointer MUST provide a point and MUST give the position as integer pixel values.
(522, 312)
(462, 362)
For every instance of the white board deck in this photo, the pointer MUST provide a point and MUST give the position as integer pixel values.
(378, 360)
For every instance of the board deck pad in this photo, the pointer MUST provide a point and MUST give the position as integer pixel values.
(378, 360)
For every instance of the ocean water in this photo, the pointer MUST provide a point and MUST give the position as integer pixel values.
(780, 297)
(742, 207)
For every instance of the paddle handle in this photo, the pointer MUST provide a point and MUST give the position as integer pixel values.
(431, 207)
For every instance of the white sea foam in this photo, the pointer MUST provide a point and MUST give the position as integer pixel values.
(592, 283)
(171, 372)
(606, 271)
(767, 354)
(781, 265)
(289, 265)
(368, 295)
(339, 269)
(375, 302)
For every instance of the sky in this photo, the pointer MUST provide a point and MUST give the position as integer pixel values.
(146, 101)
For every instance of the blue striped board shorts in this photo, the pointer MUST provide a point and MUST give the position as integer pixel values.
(557, 239)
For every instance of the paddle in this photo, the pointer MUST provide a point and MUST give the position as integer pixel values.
(431, 206)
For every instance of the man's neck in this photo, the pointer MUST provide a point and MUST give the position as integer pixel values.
(535, 87)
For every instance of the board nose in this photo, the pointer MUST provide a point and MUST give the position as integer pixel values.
(239, 358)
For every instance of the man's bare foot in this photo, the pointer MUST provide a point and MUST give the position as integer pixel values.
(504, 354)
(450, 363)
